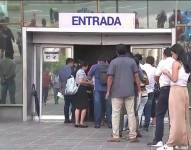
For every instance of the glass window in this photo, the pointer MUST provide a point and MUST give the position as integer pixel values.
(107, 6)
(184, 12)
(10, 65)
(45, 13)
(160, 14)
(10, 11)
(138, 7)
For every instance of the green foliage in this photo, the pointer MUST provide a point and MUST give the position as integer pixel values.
(55, 66)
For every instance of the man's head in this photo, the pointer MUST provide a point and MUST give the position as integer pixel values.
(167, 52)
(150, 60)
(122, 49)
(101, 60)
(139, 57)
(70, 61)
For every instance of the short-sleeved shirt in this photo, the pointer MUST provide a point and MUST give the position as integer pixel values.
(150, 71)
(80, 75)
(164, 80)
(122, 69)
(64, 73)
(94, 72)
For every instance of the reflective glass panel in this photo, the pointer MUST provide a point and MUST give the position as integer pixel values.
(11, 65)
(45, 13)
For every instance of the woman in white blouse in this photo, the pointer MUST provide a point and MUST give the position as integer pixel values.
(81, 101)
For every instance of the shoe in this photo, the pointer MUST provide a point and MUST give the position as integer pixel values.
(82, 126)
(146, 129)
(114, 140)
(139, 135)
(76, 125)
(109, 126)
(97, 126)
(67, 121)
(182, 147)
(159, 144)
(165, 147)
(152, 143)
(133, 140)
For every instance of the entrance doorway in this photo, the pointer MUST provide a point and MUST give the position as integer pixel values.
(90, 53)
(52, 59)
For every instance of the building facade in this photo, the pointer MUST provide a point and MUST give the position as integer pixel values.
(27, 13)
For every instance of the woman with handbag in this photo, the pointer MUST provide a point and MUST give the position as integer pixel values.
(81, 102)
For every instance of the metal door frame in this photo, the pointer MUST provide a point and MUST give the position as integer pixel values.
(71, 55)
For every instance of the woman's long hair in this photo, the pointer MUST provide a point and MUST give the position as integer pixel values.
(179, 51)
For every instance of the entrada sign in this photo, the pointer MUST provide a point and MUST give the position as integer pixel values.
(96, 22)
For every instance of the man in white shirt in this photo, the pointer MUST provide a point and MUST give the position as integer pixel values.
(149, 68)
(162, 105)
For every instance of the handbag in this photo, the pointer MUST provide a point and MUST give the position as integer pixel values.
(71, 86)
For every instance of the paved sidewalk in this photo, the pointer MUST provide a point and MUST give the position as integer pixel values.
(58, 136)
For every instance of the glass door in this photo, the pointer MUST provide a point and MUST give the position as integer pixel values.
(53, 58)
(155, 51)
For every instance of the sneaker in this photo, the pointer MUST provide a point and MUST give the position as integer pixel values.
(152, 143)
(165, 147)
(159, 144)
(182, 147)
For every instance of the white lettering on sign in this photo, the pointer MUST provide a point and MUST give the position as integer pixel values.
(96, 22)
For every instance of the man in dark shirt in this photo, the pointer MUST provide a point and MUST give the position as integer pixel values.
(64, 73)
(7, 75)
(122, 74)
(102, 106)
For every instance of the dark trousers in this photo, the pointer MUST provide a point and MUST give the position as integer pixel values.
(148, 108)
(8, 85)
(69, 101)
(45, 94)
(153, 108)
(161, 109)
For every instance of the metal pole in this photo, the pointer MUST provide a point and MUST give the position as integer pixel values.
(117, 6)
(147, 13)
(22, 13)
(98, 5)
(176, 13)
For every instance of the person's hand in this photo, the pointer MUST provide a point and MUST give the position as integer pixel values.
(107, 95)
(165, 72)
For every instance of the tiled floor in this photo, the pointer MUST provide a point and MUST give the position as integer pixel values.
(58, 136)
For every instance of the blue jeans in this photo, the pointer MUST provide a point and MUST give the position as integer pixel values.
(69, 101)
(147, 109)
(102, 107)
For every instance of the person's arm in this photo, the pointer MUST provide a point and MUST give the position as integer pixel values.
(157, 79)
(85, 82)
(175, 68)
(109, 85)
(137, 81)
(136, 76)
(110, 73)
(91, 72)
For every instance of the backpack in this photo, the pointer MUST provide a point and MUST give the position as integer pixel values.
(102, 73)
(71, 86)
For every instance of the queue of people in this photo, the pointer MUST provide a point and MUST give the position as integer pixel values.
(125, 86)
